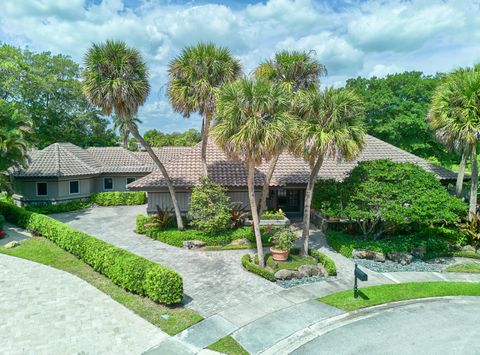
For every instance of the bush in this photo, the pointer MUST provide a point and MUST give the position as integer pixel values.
(140, 223)
(345, 243)
(60, 207)
(283, 239)
(2, 222)
(210, 207)
(119, 198)
(326, 261)
(248, 264)
(386, 197)
(273, 215)
(130, 271)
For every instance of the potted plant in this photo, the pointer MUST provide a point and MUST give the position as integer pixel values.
(282, 243)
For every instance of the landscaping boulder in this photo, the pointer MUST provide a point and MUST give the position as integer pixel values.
(12, 244)
(321, 269)
(468, 248)
(401, 258)
(284, 274)
(368, 254)
(193, 244)
(419, 252)
(241, 241)
(309, 270)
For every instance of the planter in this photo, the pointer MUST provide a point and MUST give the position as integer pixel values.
(279, 255)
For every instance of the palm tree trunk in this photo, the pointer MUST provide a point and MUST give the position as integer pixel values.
(461, 172)
(253, 208)
(266, 185)
(157, 161)
(308, 202)
(125, 139)
(474, 187)
(205, 129)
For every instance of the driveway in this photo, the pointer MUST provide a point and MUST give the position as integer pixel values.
(442, 326)
(213, 280)
(48, 311)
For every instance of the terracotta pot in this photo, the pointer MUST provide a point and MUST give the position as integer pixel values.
(279, 255)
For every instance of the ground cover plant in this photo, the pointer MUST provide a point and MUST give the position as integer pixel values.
(130, 271)
(42, 250)
(375, 295)
(273, 215)
(470, 268)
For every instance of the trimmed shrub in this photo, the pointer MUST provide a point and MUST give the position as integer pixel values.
(273, 215)
(140, 223)
(326, 261)
(127, 270)
(60, 207)
(248, 264)
(119, 198)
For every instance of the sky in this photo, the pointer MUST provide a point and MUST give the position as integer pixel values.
(351, 37)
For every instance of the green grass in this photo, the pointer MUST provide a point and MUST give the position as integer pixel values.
(228, 345)
(43, 251)
(375, 295)
(471, 268)
(467, 254)
(293, 262)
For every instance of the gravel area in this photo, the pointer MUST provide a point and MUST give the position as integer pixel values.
(303, 281)
(417, 265)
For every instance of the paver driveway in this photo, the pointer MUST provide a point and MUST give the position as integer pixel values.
(48, 311)
(213, 280)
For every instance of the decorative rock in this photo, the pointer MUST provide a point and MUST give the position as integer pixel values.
(468, 248)
(309, 270)
(193, 244)
(419, 252)
(284, 274)
(241, 241)
(12, 244)
(401, 258)
(322, 270)
(368, 254)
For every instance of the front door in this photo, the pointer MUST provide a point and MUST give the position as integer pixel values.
(289, 200)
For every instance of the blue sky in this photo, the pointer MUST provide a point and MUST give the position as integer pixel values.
(350, 37)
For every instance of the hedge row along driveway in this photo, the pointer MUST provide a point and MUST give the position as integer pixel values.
(132, 272)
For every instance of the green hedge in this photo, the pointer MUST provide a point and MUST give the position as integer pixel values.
(252, 267)
(140, 222)
(2, 222)
(327, 262)
(345, 243)
(60, 207)
(132, 272)
(119, 198)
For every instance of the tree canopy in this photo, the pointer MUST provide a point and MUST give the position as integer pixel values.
(158, 138)
(48, 88)
(396, 108)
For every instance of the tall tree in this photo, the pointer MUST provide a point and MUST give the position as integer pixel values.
(455, 117)
(160, 139)
(116, 80)
(332, 127)
(48, 87)
(251, 118)
(120, 125)
(194, 79)
(15, 132)
(297, 71)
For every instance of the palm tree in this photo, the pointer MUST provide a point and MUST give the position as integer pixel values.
(251, 118)
(297, 71)
(194, 79)
(121, 126)
(115, 79)
(331, 127)
(14, 130)
(455, 117)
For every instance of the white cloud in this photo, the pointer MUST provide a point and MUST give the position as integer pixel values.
(382, 70)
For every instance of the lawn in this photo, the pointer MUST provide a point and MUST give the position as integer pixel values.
(375, 295)
(44, 251)
(472, 268)
(293, 262)
(228, 345)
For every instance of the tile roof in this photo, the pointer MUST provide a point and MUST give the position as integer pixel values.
(66, 159)
(186, 168)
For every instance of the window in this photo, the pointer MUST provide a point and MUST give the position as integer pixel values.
(130, 179)
(42, 189)
(74, 187)
(108, 184)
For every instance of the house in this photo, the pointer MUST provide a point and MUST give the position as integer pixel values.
(287, 188)
(63, 172)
